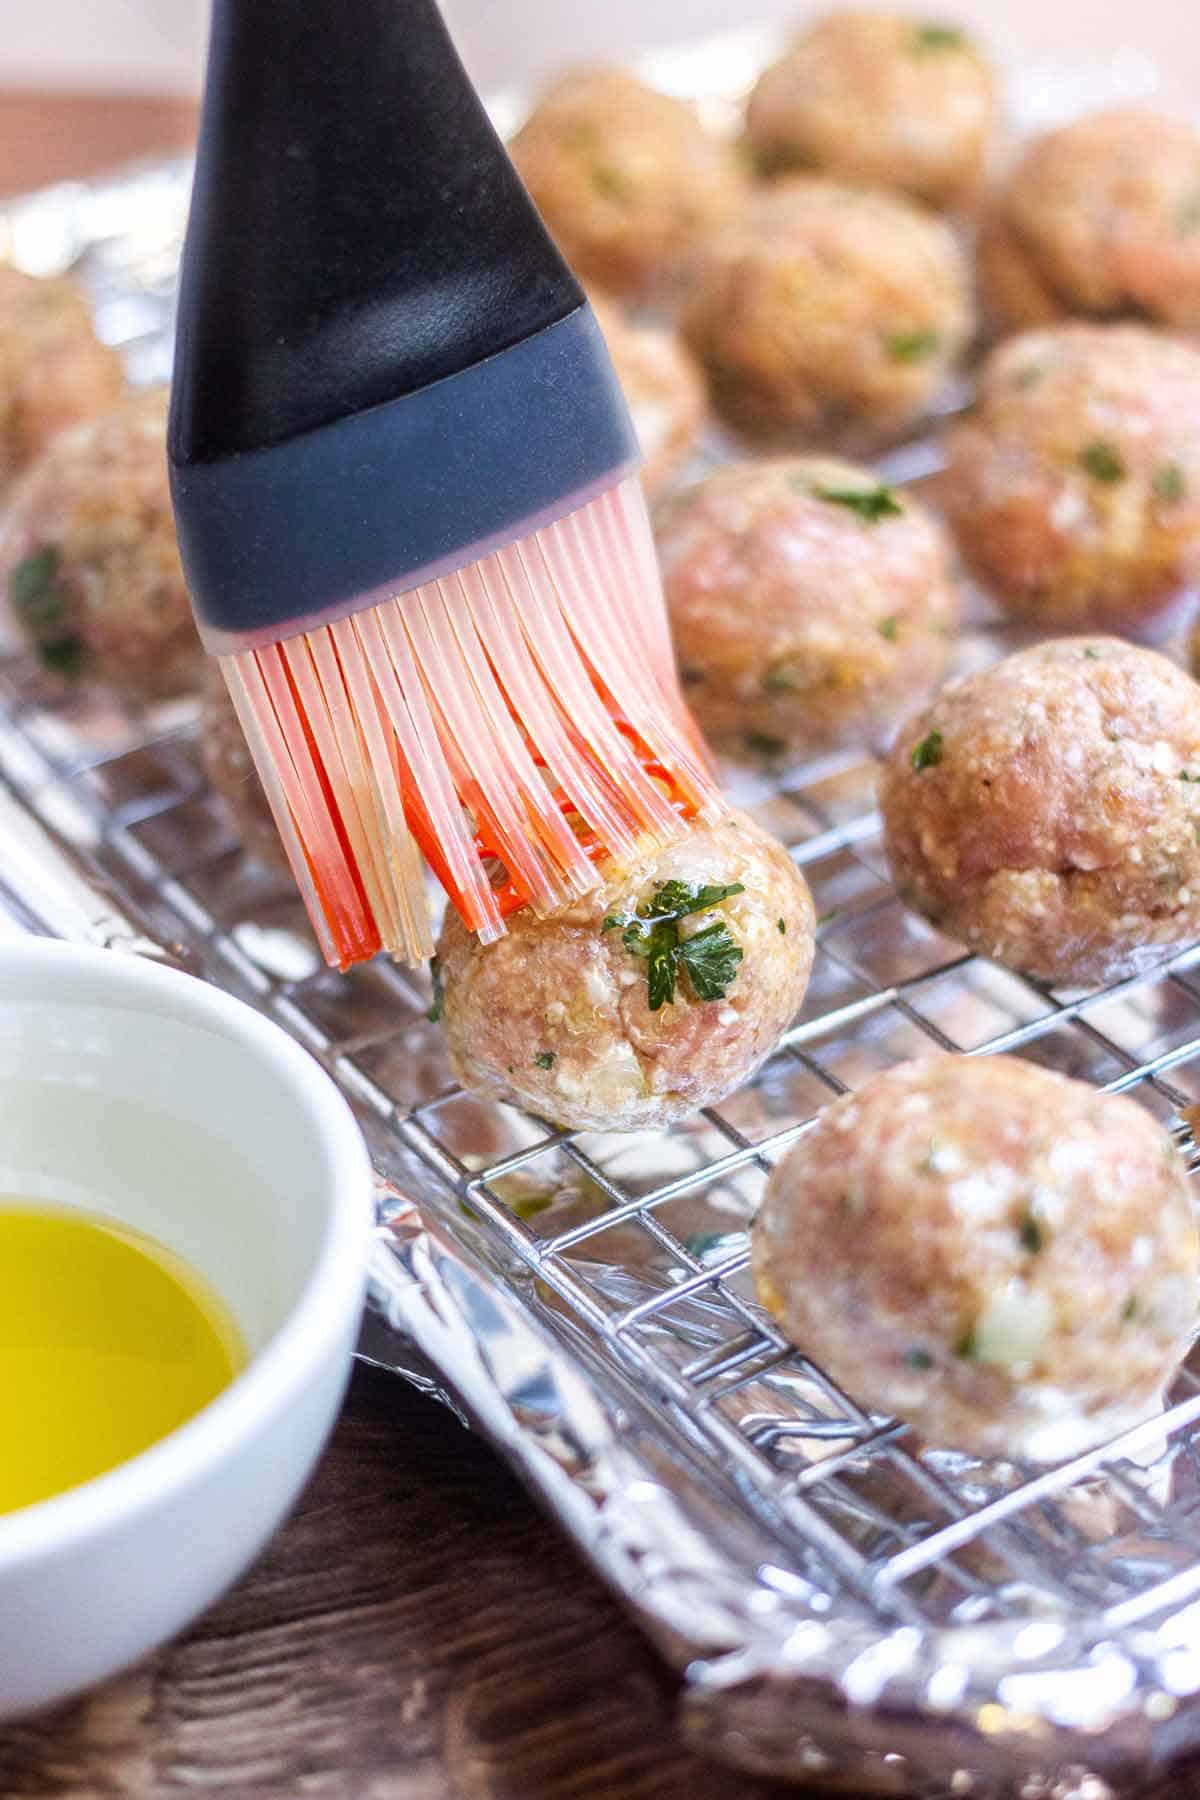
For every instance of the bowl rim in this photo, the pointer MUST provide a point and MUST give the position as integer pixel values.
(317, 1318)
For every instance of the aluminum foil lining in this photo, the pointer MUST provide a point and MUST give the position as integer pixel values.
(842, 1605)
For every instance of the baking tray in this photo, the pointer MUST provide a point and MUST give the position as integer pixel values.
(843, 1604)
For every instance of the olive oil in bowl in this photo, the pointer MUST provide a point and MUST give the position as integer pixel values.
(108, 1341)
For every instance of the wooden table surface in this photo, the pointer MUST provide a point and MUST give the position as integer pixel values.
(417, 1630)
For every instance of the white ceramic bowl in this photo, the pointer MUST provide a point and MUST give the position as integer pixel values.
(146, 1095)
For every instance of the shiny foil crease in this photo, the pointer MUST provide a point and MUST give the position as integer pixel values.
(779, 1673)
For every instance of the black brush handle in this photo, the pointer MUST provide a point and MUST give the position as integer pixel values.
(357, 231)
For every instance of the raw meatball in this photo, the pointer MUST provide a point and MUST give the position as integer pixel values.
(1001, 1256)
(1074, 487)
(54, 370)
(663, 388)
(628, 180)
(879, 98)
(825, 307)
(1099, 217)
(558, 1015)
(1046, 810)
(232, 774)
(89, 561)
(810, 606)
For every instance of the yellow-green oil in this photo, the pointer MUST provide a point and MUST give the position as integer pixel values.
(108, 1341)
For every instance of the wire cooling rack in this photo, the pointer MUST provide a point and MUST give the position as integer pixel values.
(847, 1602)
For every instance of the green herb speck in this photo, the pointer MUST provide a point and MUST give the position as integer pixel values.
(1102, 462)
(1092, 654)
(709, 957)
(928, 753)
(890, 629)
(870, 504)
(1186, 775)
(64, 655)
(1169, 484)
(933, 36)
(1130, 1310)
(780, 678)
(782, 924)
(762, 745)
(967, 1347)
(613, 183)
(916, 1358)
(1030, 1232)
(439, 991)
(911, 346)
(824, 918)
(544, 1059)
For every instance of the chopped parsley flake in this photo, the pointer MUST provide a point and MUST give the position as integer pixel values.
(544, 1059)
(439, 990)
(782, 924)
(781, 678)
(890, 629)
(39, 601)
(762, 745)
(613, 183)
(911, 346)
(870, 504)
(709, 957)
(1130, 1310)
(935, 36)
(1091, 652)
(967, 1347)
(1030, 1232)
(1102, 462)
(1186, 775)
(1169, 484)
(928, 753)
(824, 918)
(703, 1244)
(916, 1358)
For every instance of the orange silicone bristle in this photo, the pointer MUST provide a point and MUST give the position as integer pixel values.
(511, 725)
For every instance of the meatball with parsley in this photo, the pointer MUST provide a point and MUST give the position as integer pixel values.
(880, 98)
(1074, 486)
(89, 560)
(1001, 1256)
(826, 310)
(1046, 811)
(656, 994)
(811, 607)
(628, 180)
(1100, 219)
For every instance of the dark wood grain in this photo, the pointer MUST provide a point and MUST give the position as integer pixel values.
(417, 1631)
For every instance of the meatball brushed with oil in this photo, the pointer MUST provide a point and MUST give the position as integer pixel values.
(1003, 1257)
(810, 606)
(654, 995)
(1046, 811)
(89, 560)
(628, 180)
(1073, 488)
(828, 310)
(1099, 218)
(54, 371)
(880, 98)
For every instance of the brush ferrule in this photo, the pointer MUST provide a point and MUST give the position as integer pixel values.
(324, 524)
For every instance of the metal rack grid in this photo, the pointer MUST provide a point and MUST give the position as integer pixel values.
(638, 1244)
